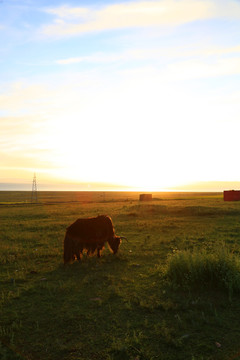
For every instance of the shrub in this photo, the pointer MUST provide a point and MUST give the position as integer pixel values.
(198, 269)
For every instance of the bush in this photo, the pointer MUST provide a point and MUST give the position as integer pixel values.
(199, 269)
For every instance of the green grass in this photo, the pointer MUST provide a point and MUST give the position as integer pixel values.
(218, 270)
(172, 292)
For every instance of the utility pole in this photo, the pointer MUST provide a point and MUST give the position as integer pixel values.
(34, 198)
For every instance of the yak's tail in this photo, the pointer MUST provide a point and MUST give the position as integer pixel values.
(68, 253)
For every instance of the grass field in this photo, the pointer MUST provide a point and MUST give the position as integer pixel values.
(133, 305)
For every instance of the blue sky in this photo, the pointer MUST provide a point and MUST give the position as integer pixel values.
(138, 94)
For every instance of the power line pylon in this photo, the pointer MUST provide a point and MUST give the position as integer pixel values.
(34, 198)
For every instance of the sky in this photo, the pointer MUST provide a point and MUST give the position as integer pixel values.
(140, 95)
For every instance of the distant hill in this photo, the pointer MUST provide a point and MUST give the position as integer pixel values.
(209, 186)
(204, 186)
(63, 187)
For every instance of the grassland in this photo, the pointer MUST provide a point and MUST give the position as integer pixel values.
(116, 307)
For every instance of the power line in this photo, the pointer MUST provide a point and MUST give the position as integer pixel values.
(34, 197)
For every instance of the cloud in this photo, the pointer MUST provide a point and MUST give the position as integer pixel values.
(75, 21)
(70, 21)
(227, 9)
(21, 95)
(198, 64)
(22, 135)
(18, 124)
(22, 160)
(217, 50)
(89, 115)
(68, 12)
(96, 58)
(151, 54)
(25, 146)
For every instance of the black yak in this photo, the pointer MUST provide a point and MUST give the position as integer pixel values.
(90, 234)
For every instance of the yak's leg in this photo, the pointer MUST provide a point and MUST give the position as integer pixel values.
(78, 251)
(79, 256)
(91, 249)
(99, 250)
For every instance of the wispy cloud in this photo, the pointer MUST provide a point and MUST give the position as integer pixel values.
(23, 145)
(152, 53)
(71, 21)
(20, 125)
(102, 117)
(68, 12)
(180, 63)
(151, 80)
(22, 96)
(74, 21)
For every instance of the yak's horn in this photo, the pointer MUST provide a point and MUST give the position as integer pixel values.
(124, 238)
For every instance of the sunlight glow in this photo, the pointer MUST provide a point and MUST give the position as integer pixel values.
(152, 105)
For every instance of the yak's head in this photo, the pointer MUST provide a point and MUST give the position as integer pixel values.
(114, 243)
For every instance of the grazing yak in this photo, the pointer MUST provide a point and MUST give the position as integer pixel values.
(90, 234)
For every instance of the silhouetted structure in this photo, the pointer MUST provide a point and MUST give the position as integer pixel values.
(34, 197)
(145, 197)
(231, 195)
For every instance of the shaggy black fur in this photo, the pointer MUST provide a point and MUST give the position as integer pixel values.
(90, 234)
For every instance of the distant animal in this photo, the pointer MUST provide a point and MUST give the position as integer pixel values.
(90, 234)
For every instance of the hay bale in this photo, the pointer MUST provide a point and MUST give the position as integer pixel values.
(145, 197)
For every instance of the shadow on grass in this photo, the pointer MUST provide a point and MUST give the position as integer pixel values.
(6, 353)
(63, 313)
(103, 309)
